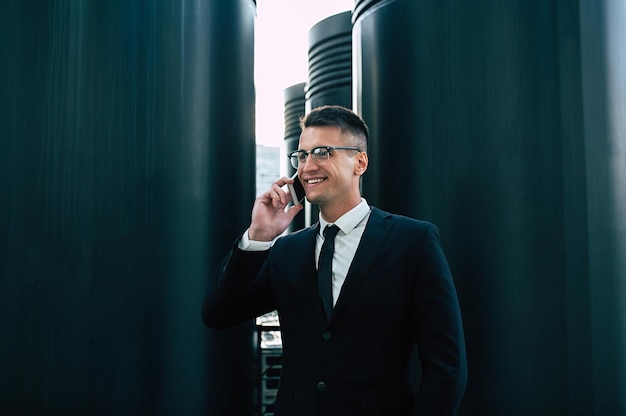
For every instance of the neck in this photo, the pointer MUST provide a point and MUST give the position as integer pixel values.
(332, 213)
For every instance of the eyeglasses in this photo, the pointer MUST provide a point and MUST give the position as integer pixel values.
(319, 154)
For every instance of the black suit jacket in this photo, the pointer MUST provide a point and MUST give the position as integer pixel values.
(398, 295)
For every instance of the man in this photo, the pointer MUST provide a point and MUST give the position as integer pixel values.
(348, 344)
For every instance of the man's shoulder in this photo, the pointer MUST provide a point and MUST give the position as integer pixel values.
(400, 219)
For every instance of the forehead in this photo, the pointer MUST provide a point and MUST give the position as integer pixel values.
(321, 136)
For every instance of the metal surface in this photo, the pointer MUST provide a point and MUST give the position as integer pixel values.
(330, 62)
(503, 124)
(330, 71)
(127, 169)
(294, 108)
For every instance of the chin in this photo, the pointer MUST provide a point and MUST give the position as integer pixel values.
(313, 199)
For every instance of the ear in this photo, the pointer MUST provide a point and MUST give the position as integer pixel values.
(361, 164)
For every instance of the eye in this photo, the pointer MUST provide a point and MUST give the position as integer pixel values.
(320, 152)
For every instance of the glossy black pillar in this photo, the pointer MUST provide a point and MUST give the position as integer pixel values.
(330, 62)
(125, 175)
(603, 74)
(503, 124)
(294, 108)
(330, 70)
(229, 121)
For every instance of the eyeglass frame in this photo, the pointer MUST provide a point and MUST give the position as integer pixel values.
(302, 160)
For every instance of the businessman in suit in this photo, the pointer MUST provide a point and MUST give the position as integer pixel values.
(352, 318)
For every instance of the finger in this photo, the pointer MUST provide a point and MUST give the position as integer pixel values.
(279, 195)
(273, 198)
(281, 182)
(293, 210)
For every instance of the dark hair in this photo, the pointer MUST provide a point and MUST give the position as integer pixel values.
(345, 119)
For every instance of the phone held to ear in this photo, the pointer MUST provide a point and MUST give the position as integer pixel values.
(297, 190)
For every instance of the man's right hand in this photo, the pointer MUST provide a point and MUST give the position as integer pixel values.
(269, 216)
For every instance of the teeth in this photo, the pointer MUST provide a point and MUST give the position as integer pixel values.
(315, 180)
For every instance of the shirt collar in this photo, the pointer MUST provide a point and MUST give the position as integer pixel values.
(348, 221)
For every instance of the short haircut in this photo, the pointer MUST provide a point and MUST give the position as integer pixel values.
(334, 115)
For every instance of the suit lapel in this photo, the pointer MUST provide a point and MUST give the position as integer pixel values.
(373, 238)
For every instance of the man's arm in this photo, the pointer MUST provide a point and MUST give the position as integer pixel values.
(440, 338)
(239, 290)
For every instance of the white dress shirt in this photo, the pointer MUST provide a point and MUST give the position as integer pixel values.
(351, 226)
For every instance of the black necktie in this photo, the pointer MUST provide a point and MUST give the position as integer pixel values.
(325, 267)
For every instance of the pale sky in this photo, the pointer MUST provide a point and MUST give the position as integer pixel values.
(281, 47)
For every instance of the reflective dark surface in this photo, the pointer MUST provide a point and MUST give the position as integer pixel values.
(503, 124)
(127, 168)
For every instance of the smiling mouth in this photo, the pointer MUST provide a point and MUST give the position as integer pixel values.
(314, 181)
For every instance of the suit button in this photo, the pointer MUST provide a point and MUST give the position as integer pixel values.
(327, 336)
(321, 386)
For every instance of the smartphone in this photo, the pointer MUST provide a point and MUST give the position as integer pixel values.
(296, 189)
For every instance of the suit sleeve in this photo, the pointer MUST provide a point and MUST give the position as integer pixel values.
(439, 332)
(238, 291)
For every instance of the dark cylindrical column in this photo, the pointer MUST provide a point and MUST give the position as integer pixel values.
(603, 58)
(330, 62)
(294, 109)
(330, 70)
(489, 120)
(228, 56)
(118, 132)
